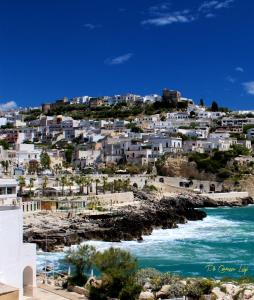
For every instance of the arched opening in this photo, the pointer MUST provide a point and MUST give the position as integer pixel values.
(28, 281)
(212, 188)
(135, 185)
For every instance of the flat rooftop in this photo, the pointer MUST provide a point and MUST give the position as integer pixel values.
(5, 208)
(5, 289)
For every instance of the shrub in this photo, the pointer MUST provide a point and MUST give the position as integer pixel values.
(130, 292)
(196, 289)
(118, 268)
(81, 259)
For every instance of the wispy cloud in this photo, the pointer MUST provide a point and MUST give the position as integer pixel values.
(8, 105)
(239, 69)
(161, 15)
(214, 5)
(91, 26)
(175, 17)
(249, 87)
(210, 15)
(158, 9)
(207, 5)
(119, 60)
(231, 79)
(224, 4)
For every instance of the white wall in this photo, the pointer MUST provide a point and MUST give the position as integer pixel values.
(14, 255)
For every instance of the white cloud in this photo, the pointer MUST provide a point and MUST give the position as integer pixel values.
(8, 105)
(119, 59)
(169, 18)
(160, 15)
(214, 4)
(207, 5)
(224, 4)
(239, 69)
(91, 26)
(249, 87)
(210, 15)
(158, 9)
(230, 79)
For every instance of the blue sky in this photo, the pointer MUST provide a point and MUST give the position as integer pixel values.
(55, 48)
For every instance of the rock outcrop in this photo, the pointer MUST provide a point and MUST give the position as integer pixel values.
(53, 231)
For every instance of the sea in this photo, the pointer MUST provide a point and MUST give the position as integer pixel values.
(222, 245)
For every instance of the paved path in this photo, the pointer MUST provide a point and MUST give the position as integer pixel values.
(47, 292)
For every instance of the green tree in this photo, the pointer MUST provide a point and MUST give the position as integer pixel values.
(69, 153)
(31, 185)
(63, 182)
(45, 160)
(81, 259)
(97, 181)
(88, 182)
(44, 184)
(105, 184)
(5, 165)
(69, 183)
(202, 103)
(214, 106)
(4, 144)
(117, 267)
(80, 181)
(21, 183)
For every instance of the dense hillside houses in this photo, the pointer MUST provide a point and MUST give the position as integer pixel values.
(92, 154)
(53, 140)
(166, 125)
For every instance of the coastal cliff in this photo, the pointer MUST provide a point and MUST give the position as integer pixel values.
(52, 231)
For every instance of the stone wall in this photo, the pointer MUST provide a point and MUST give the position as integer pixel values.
(231, 196)
(114, 199)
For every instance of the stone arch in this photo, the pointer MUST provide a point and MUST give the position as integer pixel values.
(28, 281)
(212, 187)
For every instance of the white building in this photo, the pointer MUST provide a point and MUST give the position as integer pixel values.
(8, 192)
(80, 100)
(237, 121)
(250, 133)
(26, 152)
(210, 114)
(3, 121)
(17, 260)
(151, 98)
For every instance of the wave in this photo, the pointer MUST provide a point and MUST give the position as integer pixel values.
(197, 243)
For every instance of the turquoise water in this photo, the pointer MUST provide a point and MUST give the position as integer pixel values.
(222, 245)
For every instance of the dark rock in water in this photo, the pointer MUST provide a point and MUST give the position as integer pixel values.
(130, 223)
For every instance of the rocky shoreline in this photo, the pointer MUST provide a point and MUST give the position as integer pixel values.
(52, 231)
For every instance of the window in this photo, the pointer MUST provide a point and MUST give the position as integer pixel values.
(9, 190)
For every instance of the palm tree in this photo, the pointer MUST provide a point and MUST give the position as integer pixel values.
(44, 184)
(63, 182)
(126, 184)
(80, 181)
(69, 183)
(22, 184)
(97, 181)
(31, 185)
(88, 182)
(105, 183)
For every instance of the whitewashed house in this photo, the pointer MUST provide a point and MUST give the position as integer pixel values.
(17, 259)
(8, 191)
